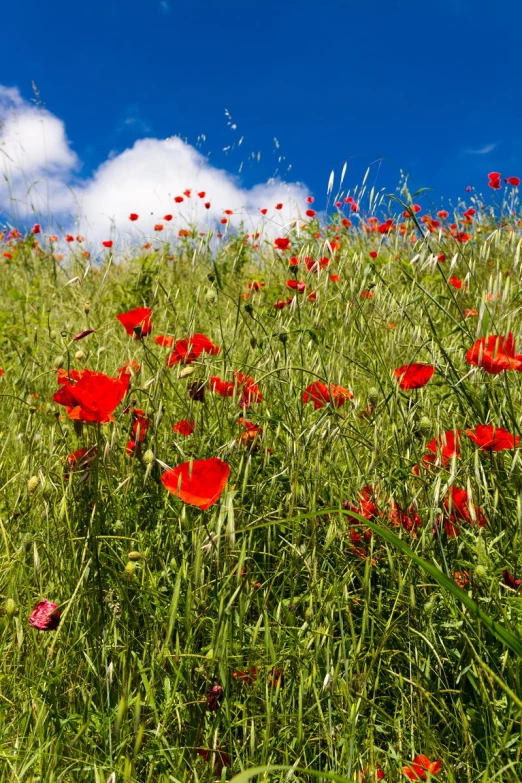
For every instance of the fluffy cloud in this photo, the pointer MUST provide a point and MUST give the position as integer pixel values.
(41, 181)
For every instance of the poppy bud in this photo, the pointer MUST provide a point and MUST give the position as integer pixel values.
(130, 568)
(32, 484)
(424, 427)
(53, 334)
(79, 356)
(186, 371)
(211, 296)
(373, 396)
(10, 606)
(249, 309)
(148, 457)
(134, 555)
(253, 342)
(58, 362)
(32, 409)
(86, 307)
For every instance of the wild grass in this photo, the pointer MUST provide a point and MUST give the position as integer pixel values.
(362, 657)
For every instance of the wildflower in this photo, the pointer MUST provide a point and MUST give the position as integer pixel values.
(407, 518)
(296, 285)
(281, 243)
(189, 350)
(198, 482)
(83, 334)
(456, 283)
(158, 227)
(278, 206)
(164, 340)
(246, 676)
(468, 312)
(36, 229)
(494, 354)
(514, 181)
(202, 194)
(419, 768)
(196, 390)
(320, 394)
(178, 199)
(184, 427)
(107, 243)
(168, 218)
(444, 448)
(457, 508)
(249, 389)
(80, 460)
(414, 376)
(133, 216)
(137, 322)
(220, 759)
(140, 425)
(282, 303)
(491, 438)
(221, 387)
(508, 580)
(45, 616)
(91, 396)
(310, 213)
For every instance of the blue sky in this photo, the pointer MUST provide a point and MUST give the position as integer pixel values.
(432, 88)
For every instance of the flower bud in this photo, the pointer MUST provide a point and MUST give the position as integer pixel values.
(32, 484)
(10, 606)
(86, 307)
(130, 568)
(79, 356)
(148, 457)
(211, 296)
(424, 426)
(186, 371)
(134, 555)
(58, 362)
(373, 396)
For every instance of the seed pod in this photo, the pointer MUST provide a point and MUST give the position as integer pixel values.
(211, 296)
(134, 555)
(58, 362)
(86, 307)
(79, 356)
(186, 371)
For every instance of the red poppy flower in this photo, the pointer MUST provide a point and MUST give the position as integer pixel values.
(282, 243)
(164, 340)
(407, 518)
(137, 321)
(141, 424)
(320, 394)
(69, 238)
(79, 460)
(414, 376)
(509, 580)
(207, 205)
(458, 508)
(199, 483)
(133, 216)
(246, 675)
(45, 616)
(494, 354)
(132, 448)
(189, 350)
(468, 312)
(312, 297)
(490, 438)
(263, 211)
(310, 199)
(178, 199)
(93, 397)
(514, 181)
(221, 387)
(219, 758)
(278, 206)
(282, 303)
(107, 243)
(456, 282)
(202, 194)
(443, 448)
(296, 285)
(83, 334)
(373, 254)
(419, 768)
(184, 427)
(196, 390)
(36, 229)
(158, 227)
(494, 182)
(310, 213)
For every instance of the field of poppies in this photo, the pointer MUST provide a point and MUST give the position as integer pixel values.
(261, 497)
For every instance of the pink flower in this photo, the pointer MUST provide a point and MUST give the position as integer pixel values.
(45, 616)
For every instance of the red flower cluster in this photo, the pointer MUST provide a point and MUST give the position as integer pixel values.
(457, 509)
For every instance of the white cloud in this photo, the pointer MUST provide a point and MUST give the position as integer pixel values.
(41, 180)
